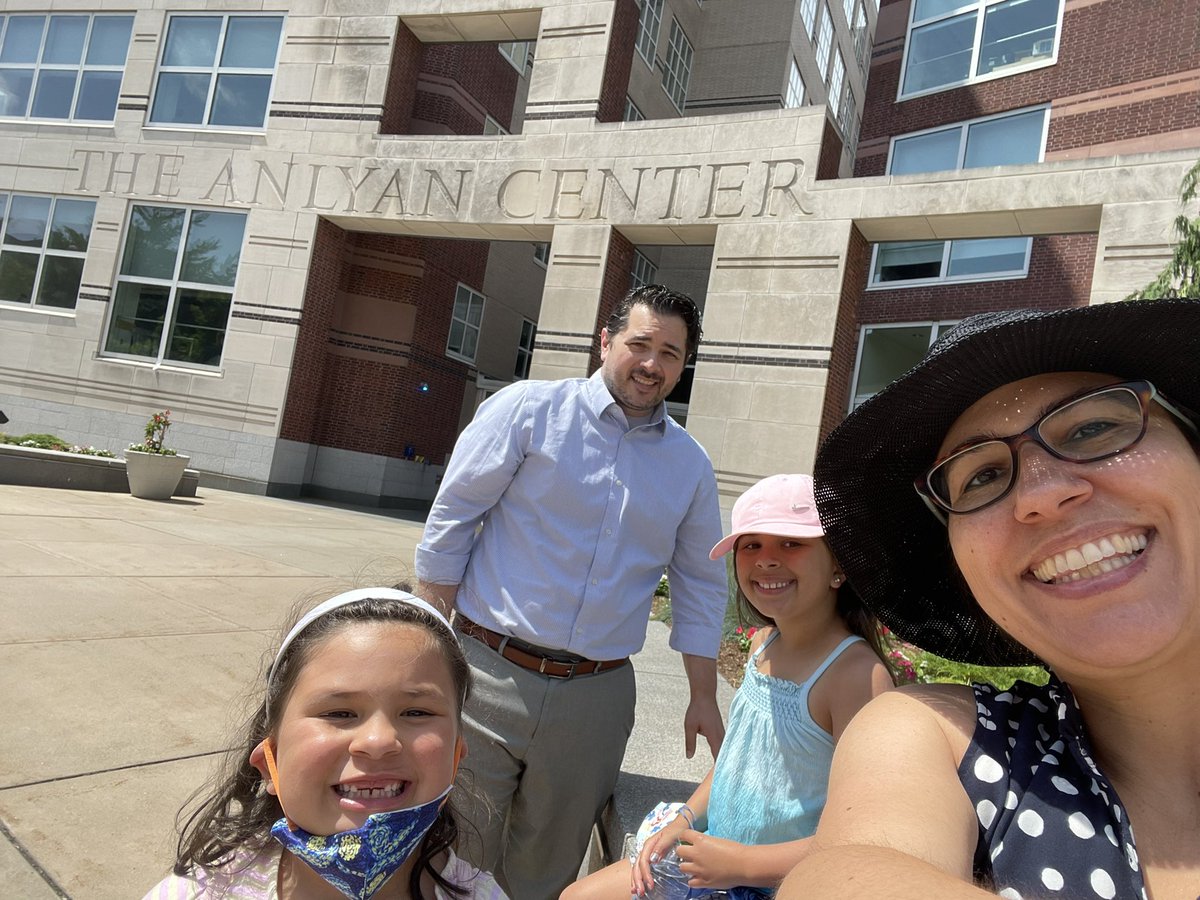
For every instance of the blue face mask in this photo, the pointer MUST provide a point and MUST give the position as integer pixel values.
(358, 862)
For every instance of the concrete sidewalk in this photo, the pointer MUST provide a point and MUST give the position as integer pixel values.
(129, 633)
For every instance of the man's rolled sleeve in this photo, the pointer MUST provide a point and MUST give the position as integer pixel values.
(484, 461)
(699, 592)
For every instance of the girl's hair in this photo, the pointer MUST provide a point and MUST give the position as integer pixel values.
(853, 612)
(237, 812)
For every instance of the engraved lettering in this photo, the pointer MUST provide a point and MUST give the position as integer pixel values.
(502, 194)
(560, 192)
(280, 190)
(87, 165)
(716, 188)
(435, 177)
(393, 190)
(114, 171)
(770, 188)
(224, 180)
(314, 186)
(631, 202)
(353, 185)
(166, 175)
(675, 172)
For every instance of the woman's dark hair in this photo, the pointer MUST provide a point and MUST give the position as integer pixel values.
(859, 620)
(237, 812)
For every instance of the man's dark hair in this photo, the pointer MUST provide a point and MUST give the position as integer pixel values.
(663, 301)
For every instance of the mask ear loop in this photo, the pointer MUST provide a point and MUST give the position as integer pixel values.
(273, 771)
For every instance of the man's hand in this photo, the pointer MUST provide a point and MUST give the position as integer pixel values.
(703, 716)
(711, 862)
(441, 596)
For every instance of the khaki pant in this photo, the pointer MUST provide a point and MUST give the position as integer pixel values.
(543, 755)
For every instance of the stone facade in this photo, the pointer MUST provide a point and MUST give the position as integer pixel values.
(334, 360)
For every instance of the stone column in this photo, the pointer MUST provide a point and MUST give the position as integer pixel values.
(570, 301)
(568, 72)
(768, 328)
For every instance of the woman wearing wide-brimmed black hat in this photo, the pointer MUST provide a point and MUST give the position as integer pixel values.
(1029, 492)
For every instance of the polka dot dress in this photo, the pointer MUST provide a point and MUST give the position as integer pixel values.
(1050, 824)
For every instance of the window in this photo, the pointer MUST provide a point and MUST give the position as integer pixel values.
(925, 262)
(464, 324)
(678, 70)
(42, 248)
(1009, 139)
(518, 54)
(492, 126)
(632, 113)
(62, 67)
(808, 15)
(525, 349)
(644, 272)
(175, 288)
(862, 47)
(648, 25)
(795, 88)
(886, 352)
(848, 120)
(217, 71)
(848, 8)
(837, 81)
(541, 254)
(953, 42)
(824, 43)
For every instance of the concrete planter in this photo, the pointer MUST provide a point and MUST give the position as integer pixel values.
(153, 476)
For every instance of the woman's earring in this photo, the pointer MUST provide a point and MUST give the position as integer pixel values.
(838, 579)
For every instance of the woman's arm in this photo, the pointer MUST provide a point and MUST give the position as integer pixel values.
(897, 820)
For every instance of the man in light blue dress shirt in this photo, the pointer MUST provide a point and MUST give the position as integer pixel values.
(561, 506)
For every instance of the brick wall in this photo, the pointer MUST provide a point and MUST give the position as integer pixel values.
(845, 333)
(1060, 276)
(302, 404)
(480, 71)
(615, 286)
(1105, 47)
(615, 85)
(377, 406)
(831, 152)
(402, 82)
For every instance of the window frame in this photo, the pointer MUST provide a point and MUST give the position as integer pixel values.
(943, 277)
(808, 17)
(979, 9)
(837, 84)
(473, 296)
(174, 284)
(677, 68)
(936, 329)
(793, 98)
(541, 253)
(964, 127)
(43, 251)
(823, 48)
(525, 349)
(647, 34)
(215, 70)
(81, 68)
(630, 106)
(643, 271)
(508, 49)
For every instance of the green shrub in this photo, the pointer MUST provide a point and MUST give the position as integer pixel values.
(52, 442)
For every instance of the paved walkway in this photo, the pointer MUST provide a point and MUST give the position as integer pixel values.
(129, 632)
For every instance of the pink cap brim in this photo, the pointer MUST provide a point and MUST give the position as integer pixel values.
(777, 529)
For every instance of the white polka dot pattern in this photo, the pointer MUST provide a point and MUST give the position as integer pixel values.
(1041, 799)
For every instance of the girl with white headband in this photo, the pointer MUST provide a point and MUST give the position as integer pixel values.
(343, 772)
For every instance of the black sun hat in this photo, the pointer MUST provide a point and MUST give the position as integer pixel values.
(894, 551)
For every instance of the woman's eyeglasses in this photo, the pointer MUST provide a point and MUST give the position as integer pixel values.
(1087, 428)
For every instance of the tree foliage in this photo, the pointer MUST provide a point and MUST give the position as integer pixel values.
(1181, 276)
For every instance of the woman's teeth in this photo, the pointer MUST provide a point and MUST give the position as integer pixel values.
(1091, 559)
(772, 585)
(374, 793)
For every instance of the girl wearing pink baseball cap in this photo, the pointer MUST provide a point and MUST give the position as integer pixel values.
(814, 662)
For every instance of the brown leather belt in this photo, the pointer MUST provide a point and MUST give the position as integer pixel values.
(543, 665)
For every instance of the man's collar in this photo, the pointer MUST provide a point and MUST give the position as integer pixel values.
(599, 400)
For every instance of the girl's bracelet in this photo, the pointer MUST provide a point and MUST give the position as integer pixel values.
(688, 815)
